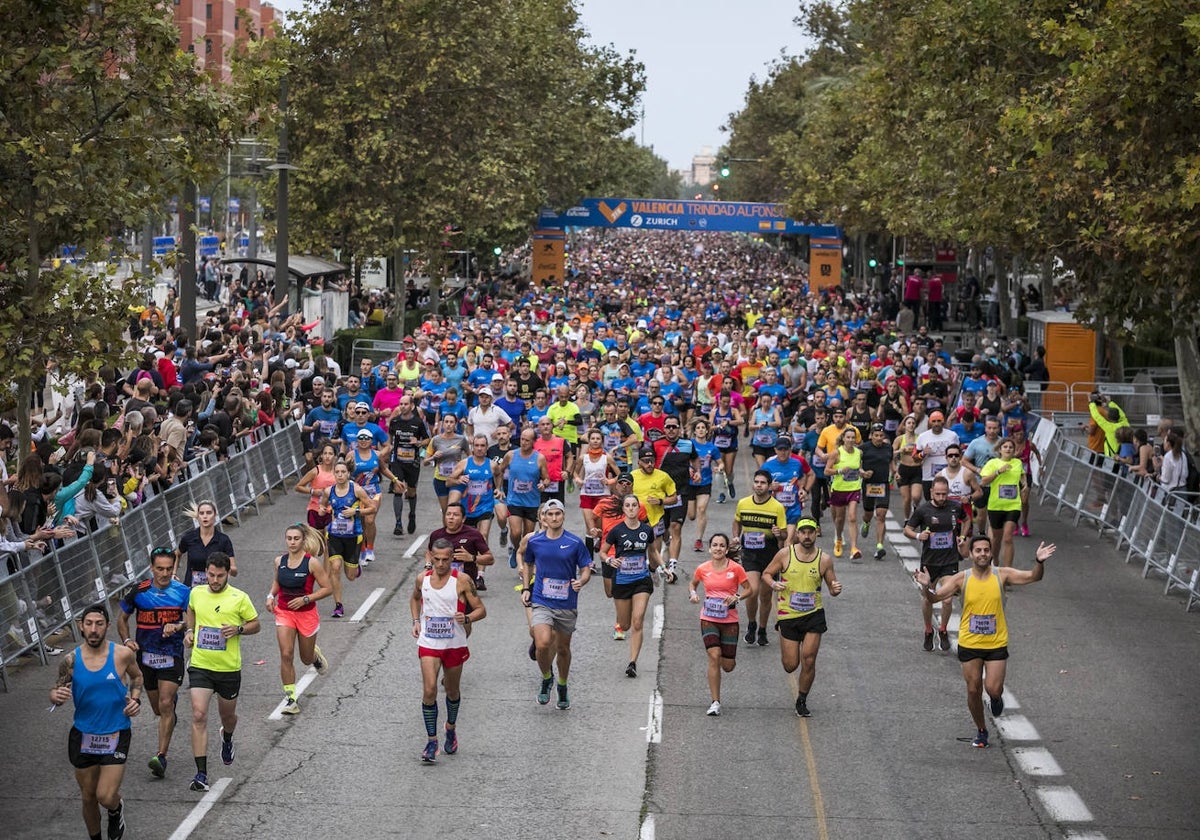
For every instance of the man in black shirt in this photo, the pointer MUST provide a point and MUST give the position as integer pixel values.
(409, 436)
(528, 383)
(937, 524)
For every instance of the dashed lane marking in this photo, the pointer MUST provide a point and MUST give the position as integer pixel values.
(1063, 804)
(361, 612)
(1036, 761)
(301, 684)
(416, 545)
(202, 807)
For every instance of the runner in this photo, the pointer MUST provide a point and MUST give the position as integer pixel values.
(937, 524)
(795, 575)
(964, 486)
(725, 420)
(196, 545)
(469, 549)
(93, 677)
(554, 449)
(314, 482)
(158, 644)
(877, 457)
(367, 467)
(341, 503)
(562, 567)
(479, 501)
(218, 615)
(300, 581)
(496, 453)
(1004, 476)
(608, 513)
(932, 444)
(724, 583)
(409, 435)
(975, 458)
(444, 605)
(766, 422)
(676, 456)
(446, 449)
(699, 488)
(983, 631)
(655, 490)
(527, 474)
(791, 478)
(1026, 450)
(567, 422)
(629, 548)
(595, 472)
(760, 522)
(845, 487)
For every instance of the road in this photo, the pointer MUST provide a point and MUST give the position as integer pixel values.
(1100, 738)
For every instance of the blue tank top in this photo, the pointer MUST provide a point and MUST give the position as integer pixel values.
(366, 472)
(706, 452)
(343, 526)
(724, 435)
(99, 696)
(478, 500)
(523, 477)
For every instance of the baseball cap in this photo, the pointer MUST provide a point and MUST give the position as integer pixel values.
(783, 441)
(485, 392)
(646, 451)
(806, 524)
(936, 415)
(553, 504)
(876, 427)
(625, 477)
(363, 404)
(318, 380)
(365, 434)
(497, 377)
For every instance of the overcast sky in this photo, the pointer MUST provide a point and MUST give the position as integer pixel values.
(699, 57)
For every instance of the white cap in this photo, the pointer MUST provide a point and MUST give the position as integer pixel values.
(485, 391)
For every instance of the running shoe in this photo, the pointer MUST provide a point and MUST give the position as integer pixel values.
(412, 523)
(631, 670)
(699, 546)
(721, 499)
(802, 707)
(928, 645)
(226, 748)
(879, 552)
(338, 612)
(866, 527)
(319, 661)
(451, 741)
(503, 537)
(398, 531)
(158, 766)
(855, 555)
(481, 584)
(116, 822)
(618, 633)
(533, 653)
(732, 491)
(943, 640)
(981, 739)
(715, 709)
(751, 631)
(672, 574)
(290, 707)
(543, 695)
(429, 754)
(837, 547)
(762, 637)
(1024, 530)
(512, 557)
(368, 556)
(997, 706)
(199, 782)
(564, 701)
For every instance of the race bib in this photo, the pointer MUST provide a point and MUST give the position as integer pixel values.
(633, 564)
(555, 589)
(406, 453)
(891, 425)
(941, 540)
(157, 660)
(876, 491)
(209, 638)
(677, 503)
(456, 566)
(611, 442)
(714, 608)
(786, 495)
(445, 467)
(802, 601)
(850, 475)
(341, 526)
(1008, 491)
(593, 487)
(199, 578)
(552, 487)
(722, 441)
(98, 744)
(764, 437)
(754, 539)
(521, 485)
(477, 488)
(439, 626)
(982, 625)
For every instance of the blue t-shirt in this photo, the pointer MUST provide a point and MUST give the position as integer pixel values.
(454, 376)
(535, 414)
(156, 607)
(965, 437)
(478, 498)
(557, 562)
(325, 419)
(350, 433)
(787, 472)
(515, 409)
(706, 453)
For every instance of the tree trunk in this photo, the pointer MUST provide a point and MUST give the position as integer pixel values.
(1004, 292)
(1047, 285)
(400, 289)
(1187, 358)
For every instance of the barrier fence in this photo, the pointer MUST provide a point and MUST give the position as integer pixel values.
(41, 594)
(1159, 529)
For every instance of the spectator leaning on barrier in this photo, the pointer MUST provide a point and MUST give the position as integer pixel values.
(1107, 417)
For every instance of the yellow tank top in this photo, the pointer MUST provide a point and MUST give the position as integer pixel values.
(802, 595)
(852, 479)
(982, 625)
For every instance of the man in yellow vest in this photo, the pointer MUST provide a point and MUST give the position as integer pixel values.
(982, 629)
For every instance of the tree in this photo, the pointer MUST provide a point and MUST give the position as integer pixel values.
(410, 116)
(101, 114)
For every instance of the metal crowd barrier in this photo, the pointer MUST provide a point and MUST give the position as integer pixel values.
(41, 594)
(1160, 529)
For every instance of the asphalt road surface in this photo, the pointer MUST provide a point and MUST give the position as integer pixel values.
(1099, 740)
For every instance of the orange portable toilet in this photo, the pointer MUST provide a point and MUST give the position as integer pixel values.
(1071, 353)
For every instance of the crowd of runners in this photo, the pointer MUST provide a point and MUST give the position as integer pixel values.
(716, 425)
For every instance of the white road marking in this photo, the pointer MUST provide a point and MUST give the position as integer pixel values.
(301, 684)
(417, 543)
(361, 612)
(1036, 761)
(654, 725)
(1085, 835)
(1017, 728)
(656, 632)
(1063, 804)
(1010, 700)
(202, 807)
(647, 830)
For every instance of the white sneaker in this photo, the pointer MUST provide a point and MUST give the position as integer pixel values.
(715, 709)
(16, 635)
(319, 661)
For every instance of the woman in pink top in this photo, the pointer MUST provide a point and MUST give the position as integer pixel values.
(725, 583)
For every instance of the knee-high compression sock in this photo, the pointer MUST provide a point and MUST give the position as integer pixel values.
(430, 713)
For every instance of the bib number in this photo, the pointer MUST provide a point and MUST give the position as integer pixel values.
(199, 578)
(593, 487)
(341, 526)
(157, 660)
(802, 601)
(982, 625)
(476, 488)
(406, 453)
(850, 475)
(786, 496)
(634, 564)
(445, 467)
(941, 540)
(754, 540)
(715, 608)
(456, 566)
(98, 744)
(210, 638)
(439, 627)
(555, 589)
(1008, 491)
(722, 441)
(522, 486)
(764, 437)
(876, 491)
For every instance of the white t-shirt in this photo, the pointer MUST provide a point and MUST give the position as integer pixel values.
(935, 458)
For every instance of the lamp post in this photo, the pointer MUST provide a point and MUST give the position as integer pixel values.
(282, 165)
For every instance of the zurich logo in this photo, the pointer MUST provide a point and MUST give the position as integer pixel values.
(636, 220)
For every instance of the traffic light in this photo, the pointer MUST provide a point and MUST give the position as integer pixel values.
(716, 188)
(900, 261)
(872, 263)
(497, 250)
(725, 171)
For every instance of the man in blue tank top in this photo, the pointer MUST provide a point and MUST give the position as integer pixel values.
(94, 677)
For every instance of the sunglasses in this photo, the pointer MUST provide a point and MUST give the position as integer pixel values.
(672, 426)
